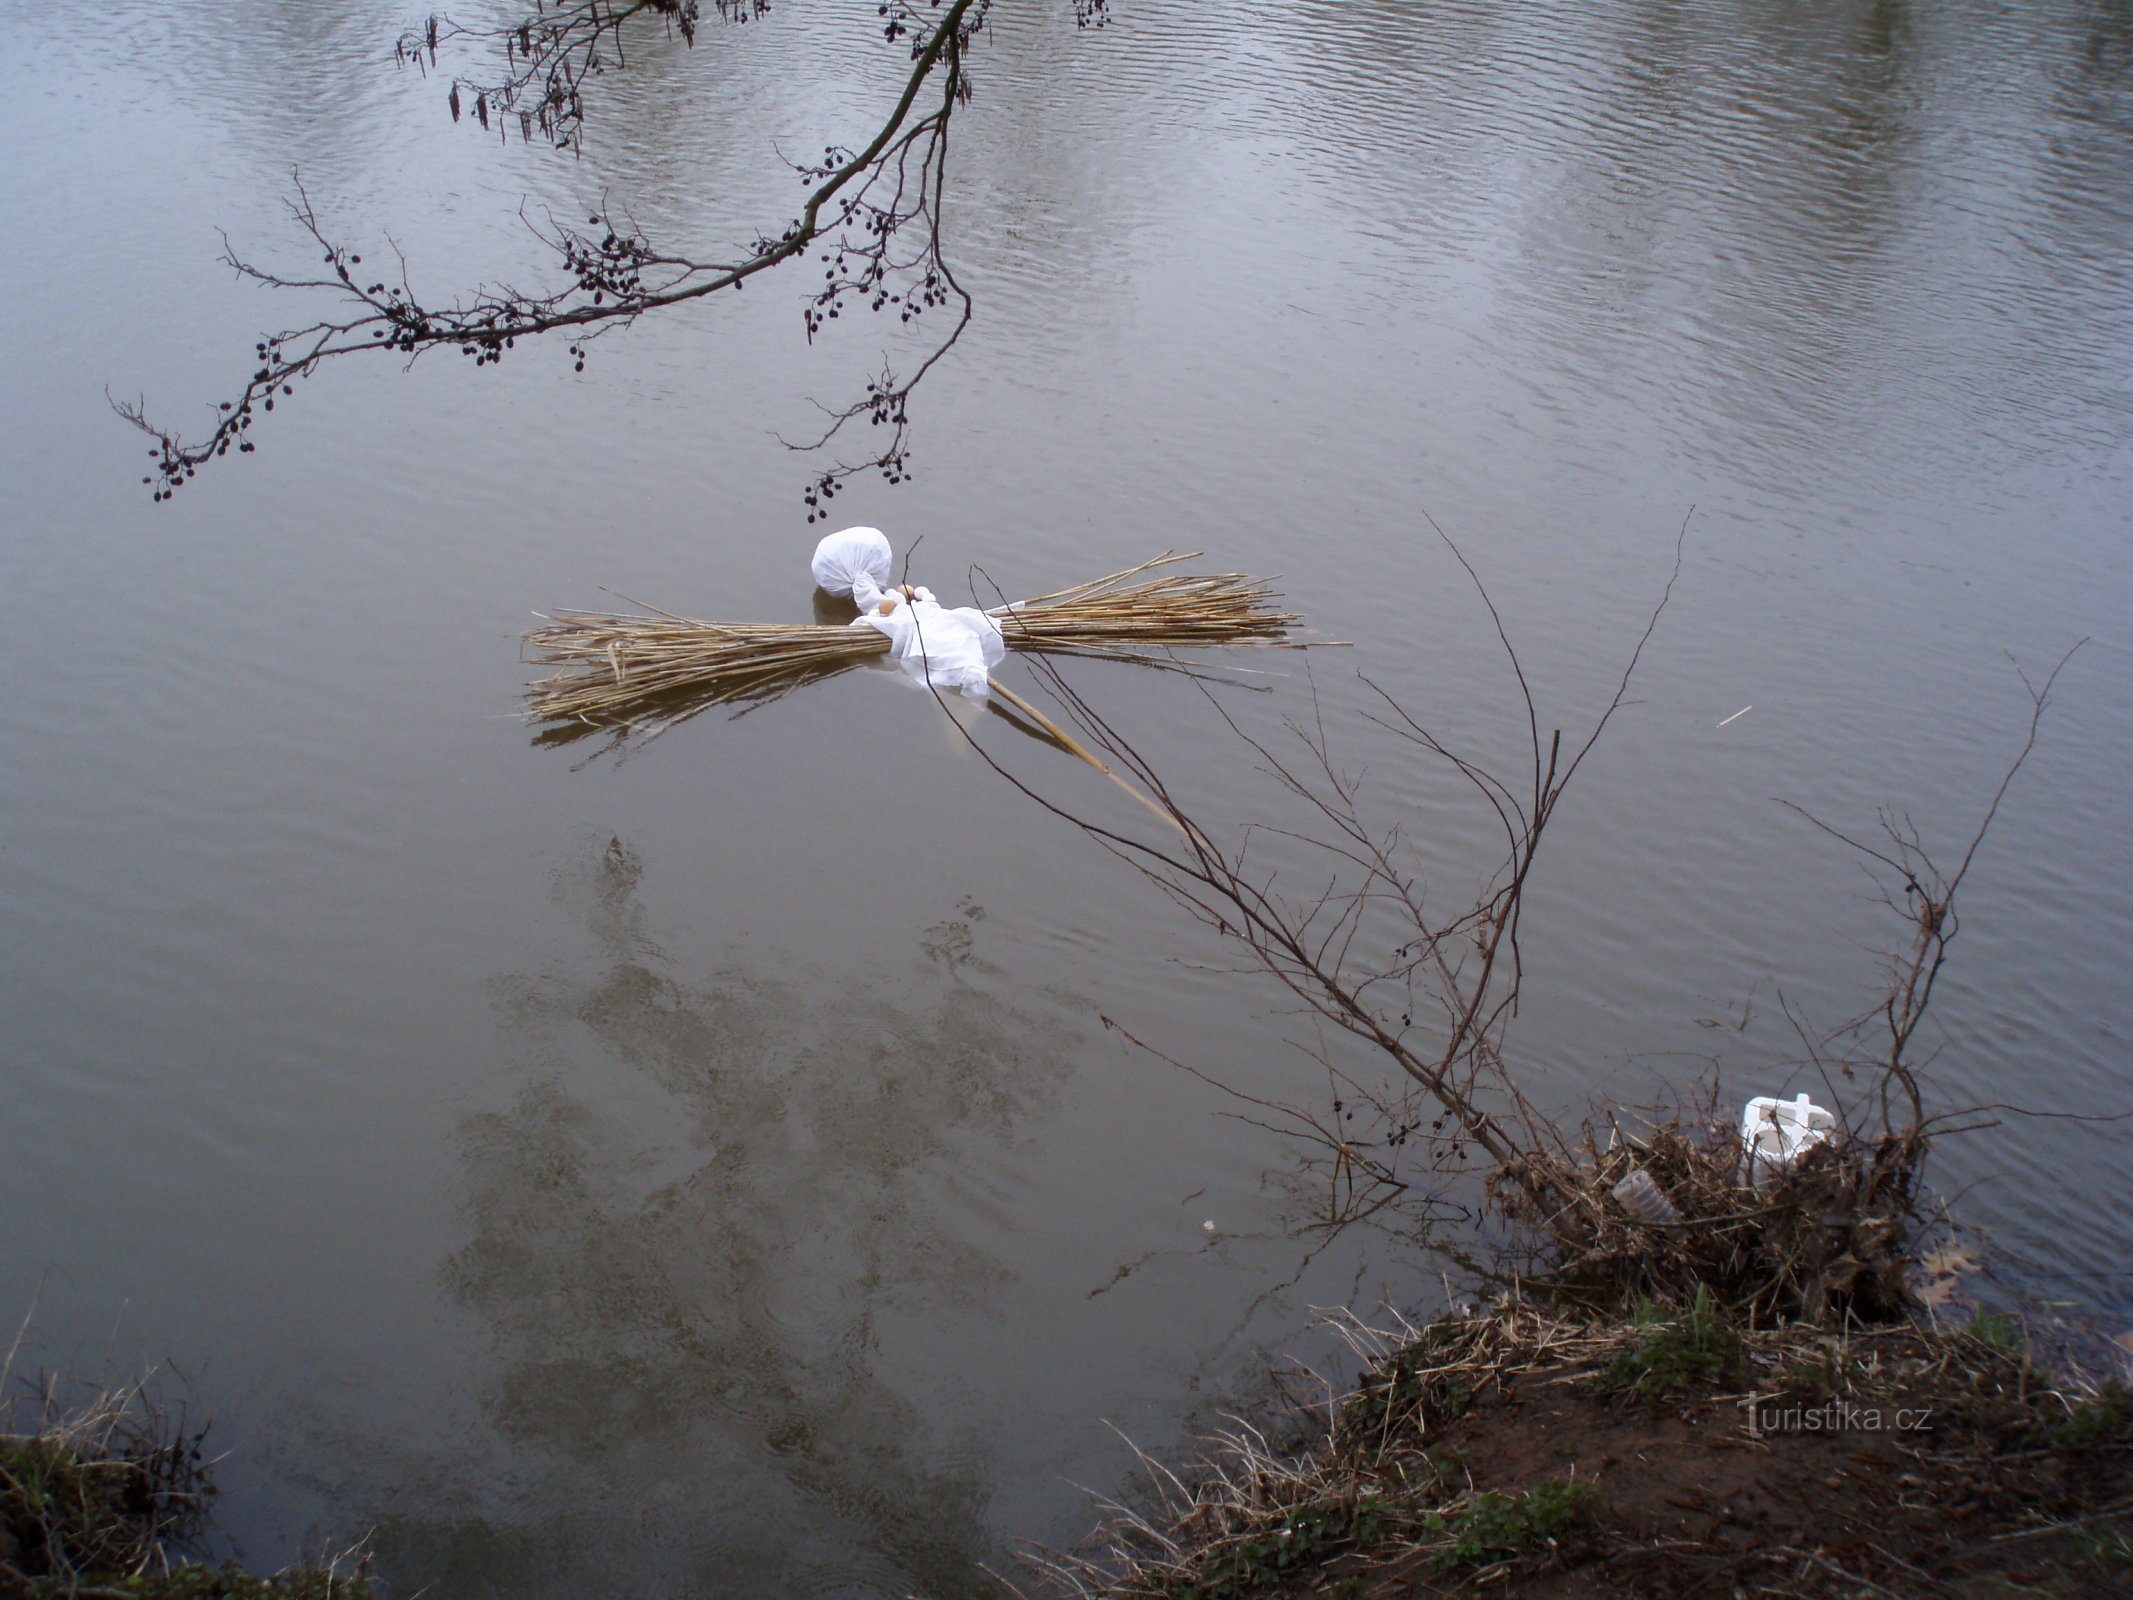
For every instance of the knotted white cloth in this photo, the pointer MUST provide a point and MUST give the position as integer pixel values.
(950, 649)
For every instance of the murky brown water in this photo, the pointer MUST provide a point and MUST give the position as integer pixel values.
(707, 1173)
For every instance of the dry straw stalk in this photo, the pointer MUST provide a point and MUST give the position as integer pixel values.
(620, 669)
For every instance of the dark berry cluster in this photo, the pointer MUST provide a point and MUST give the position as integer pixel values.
(613, 266)
(175, 465)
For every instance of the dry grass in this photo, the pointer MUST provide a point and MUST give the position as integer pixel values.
(1313, 1492)
(102, 1492)
(98, 1486)
(650, 669)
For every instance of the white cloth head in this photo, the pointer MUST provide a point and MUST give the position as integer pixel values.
(850, 556)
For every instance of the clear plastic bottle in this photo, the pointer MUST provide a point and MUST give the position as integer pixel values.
(1644, 1199)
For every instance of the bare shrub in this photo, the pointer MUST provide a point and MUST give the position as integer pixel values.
(1432, 992)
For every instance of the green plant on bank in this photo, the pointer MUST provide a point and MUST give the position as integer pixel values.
(1412, 1379)
(1821, 1377)
(1998, 1330)
(97, 1499)
(2110, 1549)
(1306, 1537)
(1497, 1527)
(2086, 1561)
(2102, 1420)
(1674, 1350)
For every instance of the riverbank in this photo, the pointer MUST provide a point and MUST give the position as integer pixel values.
(1508, 1451)
(1514, 1452)
(101, 1493)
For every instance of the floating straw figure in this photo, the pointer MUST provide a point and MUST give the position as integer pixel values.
(646, 671)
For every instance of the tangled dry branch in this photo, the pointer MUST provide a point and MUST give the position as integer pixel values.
(1432, 992)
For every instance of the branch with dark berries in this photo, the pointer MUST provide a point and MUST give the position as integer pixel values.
(871, 216)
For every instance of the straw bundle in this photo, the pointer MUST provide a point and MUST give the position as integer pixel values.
(618, 669)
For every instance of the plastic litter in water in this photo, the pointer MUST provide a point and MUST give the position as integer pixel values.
(1775, 1133)
(1641, 1197)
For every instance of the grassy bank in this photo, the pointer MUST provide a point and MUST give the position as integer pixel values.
(102, 1498)
(1517, 1452)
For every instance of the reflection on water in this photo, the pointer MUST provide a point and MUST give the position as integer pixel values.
(701, 1201)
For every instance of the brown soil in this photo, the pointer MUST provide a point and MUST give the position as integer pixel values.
(1958, 1503)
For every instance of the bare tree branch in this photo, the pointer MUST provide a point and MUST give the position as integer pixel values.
(1925, 899)
(872, 218)
(550, 56)
(1457, 972)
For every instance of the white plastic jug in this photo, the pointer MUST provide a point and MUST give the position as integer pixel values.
(1775, 1133)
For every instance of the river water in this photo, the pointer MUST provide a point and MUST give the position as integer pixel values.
(705, 1170)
